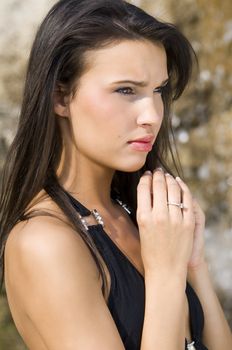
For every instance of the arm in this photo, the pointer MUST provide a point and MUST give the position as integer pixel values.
(166, 235)
(217, 334)
(164, 312)
(165, 273)
(52, 276)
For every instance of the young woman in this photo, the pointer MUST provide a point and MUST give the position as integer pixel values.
(101, 247)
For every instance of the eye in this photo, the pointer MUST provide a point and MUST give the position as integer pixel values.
(125, 91)
(160, 90)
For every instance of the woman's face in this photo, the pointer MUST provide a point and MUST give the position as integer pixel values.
(110, 109)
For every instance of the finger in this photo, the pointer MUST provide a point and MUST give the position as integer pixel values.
(173, 196)
(187, 200)
(144, 199)
(199, 214)
(159, 192)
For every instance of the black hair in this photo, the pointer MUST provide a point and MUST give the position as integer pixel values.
(70, 29)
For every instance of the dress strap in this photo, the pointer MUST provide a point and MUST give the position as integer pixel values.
(82, 211)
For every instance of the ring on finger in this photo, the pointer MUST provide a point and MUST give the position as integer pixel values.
(179, 205)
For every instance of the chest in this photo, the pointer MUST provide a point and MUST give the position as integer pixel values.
(125, 236)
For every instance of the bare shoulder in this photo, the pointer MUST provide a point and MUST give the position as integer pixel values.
(49, 272)
(45, 233)
(43, 241)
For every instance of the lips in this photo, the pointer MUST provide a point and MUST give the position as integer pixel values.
(143, 144)
(146, 139)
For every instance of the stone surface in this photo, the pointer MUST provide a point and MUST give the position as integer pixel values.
(202, 118)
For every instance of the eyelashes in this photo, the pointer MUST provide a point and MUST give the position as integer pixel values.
(124, 91)
(159, 90)
(129, 91)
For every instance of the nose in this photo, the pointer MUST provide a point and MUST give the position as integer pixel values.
(151, 111)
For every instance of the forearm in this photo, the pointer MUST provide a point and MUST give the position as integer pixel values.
(164, 321)
(216, 334)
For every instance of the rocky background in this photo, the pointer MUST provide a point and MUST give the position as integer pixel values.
(202, 119)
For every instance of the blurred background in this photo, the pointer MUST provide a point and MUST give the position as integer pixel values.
(202, 118)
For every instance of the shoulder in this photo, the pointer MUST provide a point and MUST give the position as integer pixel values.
(52, 280)
(46, 230)
(43, 235)
(43, 243)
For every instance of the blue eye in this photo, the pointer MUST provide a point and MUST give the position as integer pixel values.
(129, 91)
(125, 91)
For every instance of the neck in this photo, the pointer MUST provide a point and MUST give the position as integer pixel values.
(88, 182)
(91, 186)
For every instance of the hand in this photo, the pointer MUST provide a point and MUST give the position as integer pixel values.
(166, 231)
(197, 258)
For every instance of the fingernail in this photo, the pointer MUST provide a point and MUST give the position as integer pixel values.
(159, 169)
(148, 172)
(178, 178)
(167, 174)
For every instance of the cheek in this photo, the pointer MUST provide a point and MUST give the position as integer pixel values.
(160, 111)
(95, 119)
(159, 106)
(97, 107)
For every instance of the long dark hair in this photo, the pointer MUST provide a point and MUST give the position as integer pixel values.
(71, 28)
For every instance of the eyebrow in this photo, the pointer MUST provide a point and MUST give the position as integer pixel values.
(138, 83)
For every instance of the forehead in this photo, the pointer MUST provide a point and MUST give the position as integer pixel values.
(132, 59)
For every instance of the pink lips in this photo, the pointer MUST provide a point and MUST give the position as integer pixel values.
(143, 144)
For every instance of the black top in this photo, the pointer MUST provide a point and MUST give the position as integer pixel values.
(126, 300)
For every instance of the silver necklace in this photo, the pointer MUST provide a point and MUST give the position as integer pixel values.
(99, 218)
(124, 206)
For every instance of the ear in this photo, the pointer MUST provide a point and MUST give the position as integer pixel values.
(61, 102)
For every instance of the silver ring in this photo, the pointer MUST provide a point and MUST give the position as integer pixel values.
(179, 205)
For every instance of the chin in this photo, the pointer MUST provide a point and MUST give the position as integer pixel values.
(131, 168)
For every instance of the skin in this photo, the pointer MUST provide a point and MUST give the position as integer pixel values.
(50, 261)
(101, 120)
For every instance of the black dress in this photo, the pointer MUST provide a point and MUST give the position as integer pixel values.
(126, 300)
